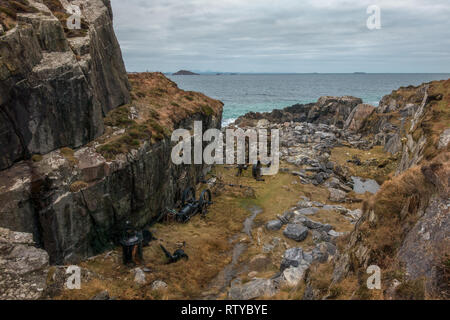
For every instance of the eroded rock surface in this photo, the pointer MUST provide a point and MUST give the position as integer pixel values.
(23, 267)
(55, 90)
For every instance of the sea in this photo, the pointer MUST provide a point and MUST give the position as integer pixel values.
(242, 93)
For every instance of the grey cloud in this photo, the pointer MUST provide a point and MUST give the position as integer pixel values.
(283, 36)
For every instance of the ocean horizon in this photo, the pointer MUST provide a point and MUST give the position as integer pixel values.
(264, 92)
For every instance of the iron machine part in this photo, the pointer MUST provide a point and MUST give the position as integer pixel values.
(190, 206)
(176, 256)
(131, 245)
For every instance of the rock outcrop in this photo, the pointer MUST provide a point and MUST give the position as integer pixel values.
(84, 146)
(76, 201)
(327, 110)
(23, 267)
(54, 88)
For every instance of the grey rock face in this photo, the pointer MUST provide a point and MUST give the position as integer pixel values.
(253, 289)
(337, 195)
(51, 97)
(292, 257)
(296, 232)
(357, 117)
(316, 225)
(293, 275)
(431, 231)
(274, 225)
(75, 225)
(23, 267)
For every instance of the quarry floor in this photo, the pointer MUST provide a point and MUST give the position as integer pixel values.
(219, 250)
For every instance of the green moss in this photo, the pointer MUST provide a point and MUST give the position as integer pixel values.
(190, 98)
(69, 155)
(119, 117)
(207, 110)
(36, 158)
(175, 104)
(130, 140)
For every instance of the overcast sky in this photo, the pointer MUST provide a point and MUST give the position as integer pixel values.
(283, 35)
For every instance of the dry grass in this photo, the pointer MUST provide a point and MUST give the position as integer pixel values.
(158, 97)
(375, 163)
(68, 153)
(9, 10)
(207, 243)
(161, 106)
(77, 186)
(436, 118)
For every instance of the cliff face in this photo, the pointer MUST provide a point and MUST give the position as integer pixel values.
(100, 149)
(56, 87)
(75, 202)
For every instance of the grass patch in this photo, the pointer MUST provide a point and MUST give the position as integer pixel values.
(36, 158)
(77, 186)
(119, 117)
(10, 9)
(411, 290)
(375, 163)
(69, 154)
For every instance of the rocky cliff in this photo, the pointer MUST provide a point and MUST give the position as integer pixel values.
(404, 228)
(84, 146)
(56, 85)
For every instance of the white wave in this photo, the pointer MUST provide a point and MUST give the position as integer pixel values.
(227, 122)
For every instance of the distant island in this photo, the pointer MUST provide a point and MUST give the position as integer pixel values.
(185, 73)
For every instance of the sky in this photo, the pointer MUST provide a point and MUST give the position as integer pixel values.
(283, 36)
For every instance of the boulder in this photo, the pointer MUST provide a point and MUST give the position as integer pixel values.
(317, 225)
(335, 234)
(274, 225)
(103, 295)
(159, 285)
(308, 211)
(358, 116)
(337, 195)
(320, 253)
(293, 257)
(254, 289)
(295, 232)
(293, 275)
(320, 236)
(139, 276)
